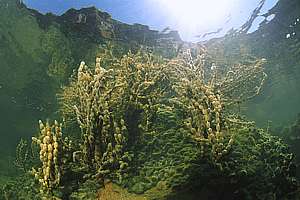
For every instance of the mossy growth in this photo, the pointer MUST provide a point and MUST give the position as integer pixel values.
(161, 128)
(257, 166)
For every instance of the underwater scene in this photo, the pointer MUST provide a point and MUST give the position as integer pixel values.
(150, 100)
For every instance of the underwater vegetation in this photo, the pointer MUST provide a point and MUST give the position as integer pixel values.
(156, 128)
(39, 52)
(270, 41)
(291, 136)
(137, 126)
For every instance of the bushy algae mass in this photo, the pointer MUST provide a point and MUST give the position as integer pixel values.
(163, 129)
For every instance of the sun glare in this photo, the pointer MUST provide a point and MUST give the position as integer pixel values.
(197, 16)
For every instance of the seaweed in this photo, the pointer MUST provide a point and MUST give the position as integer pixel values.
(162, 129)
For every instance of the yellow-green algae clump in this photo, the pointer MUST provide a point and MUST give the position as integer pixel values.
(52, 146)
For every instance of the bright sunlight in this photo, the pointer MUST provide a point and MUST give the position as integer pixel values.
(192, 17)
